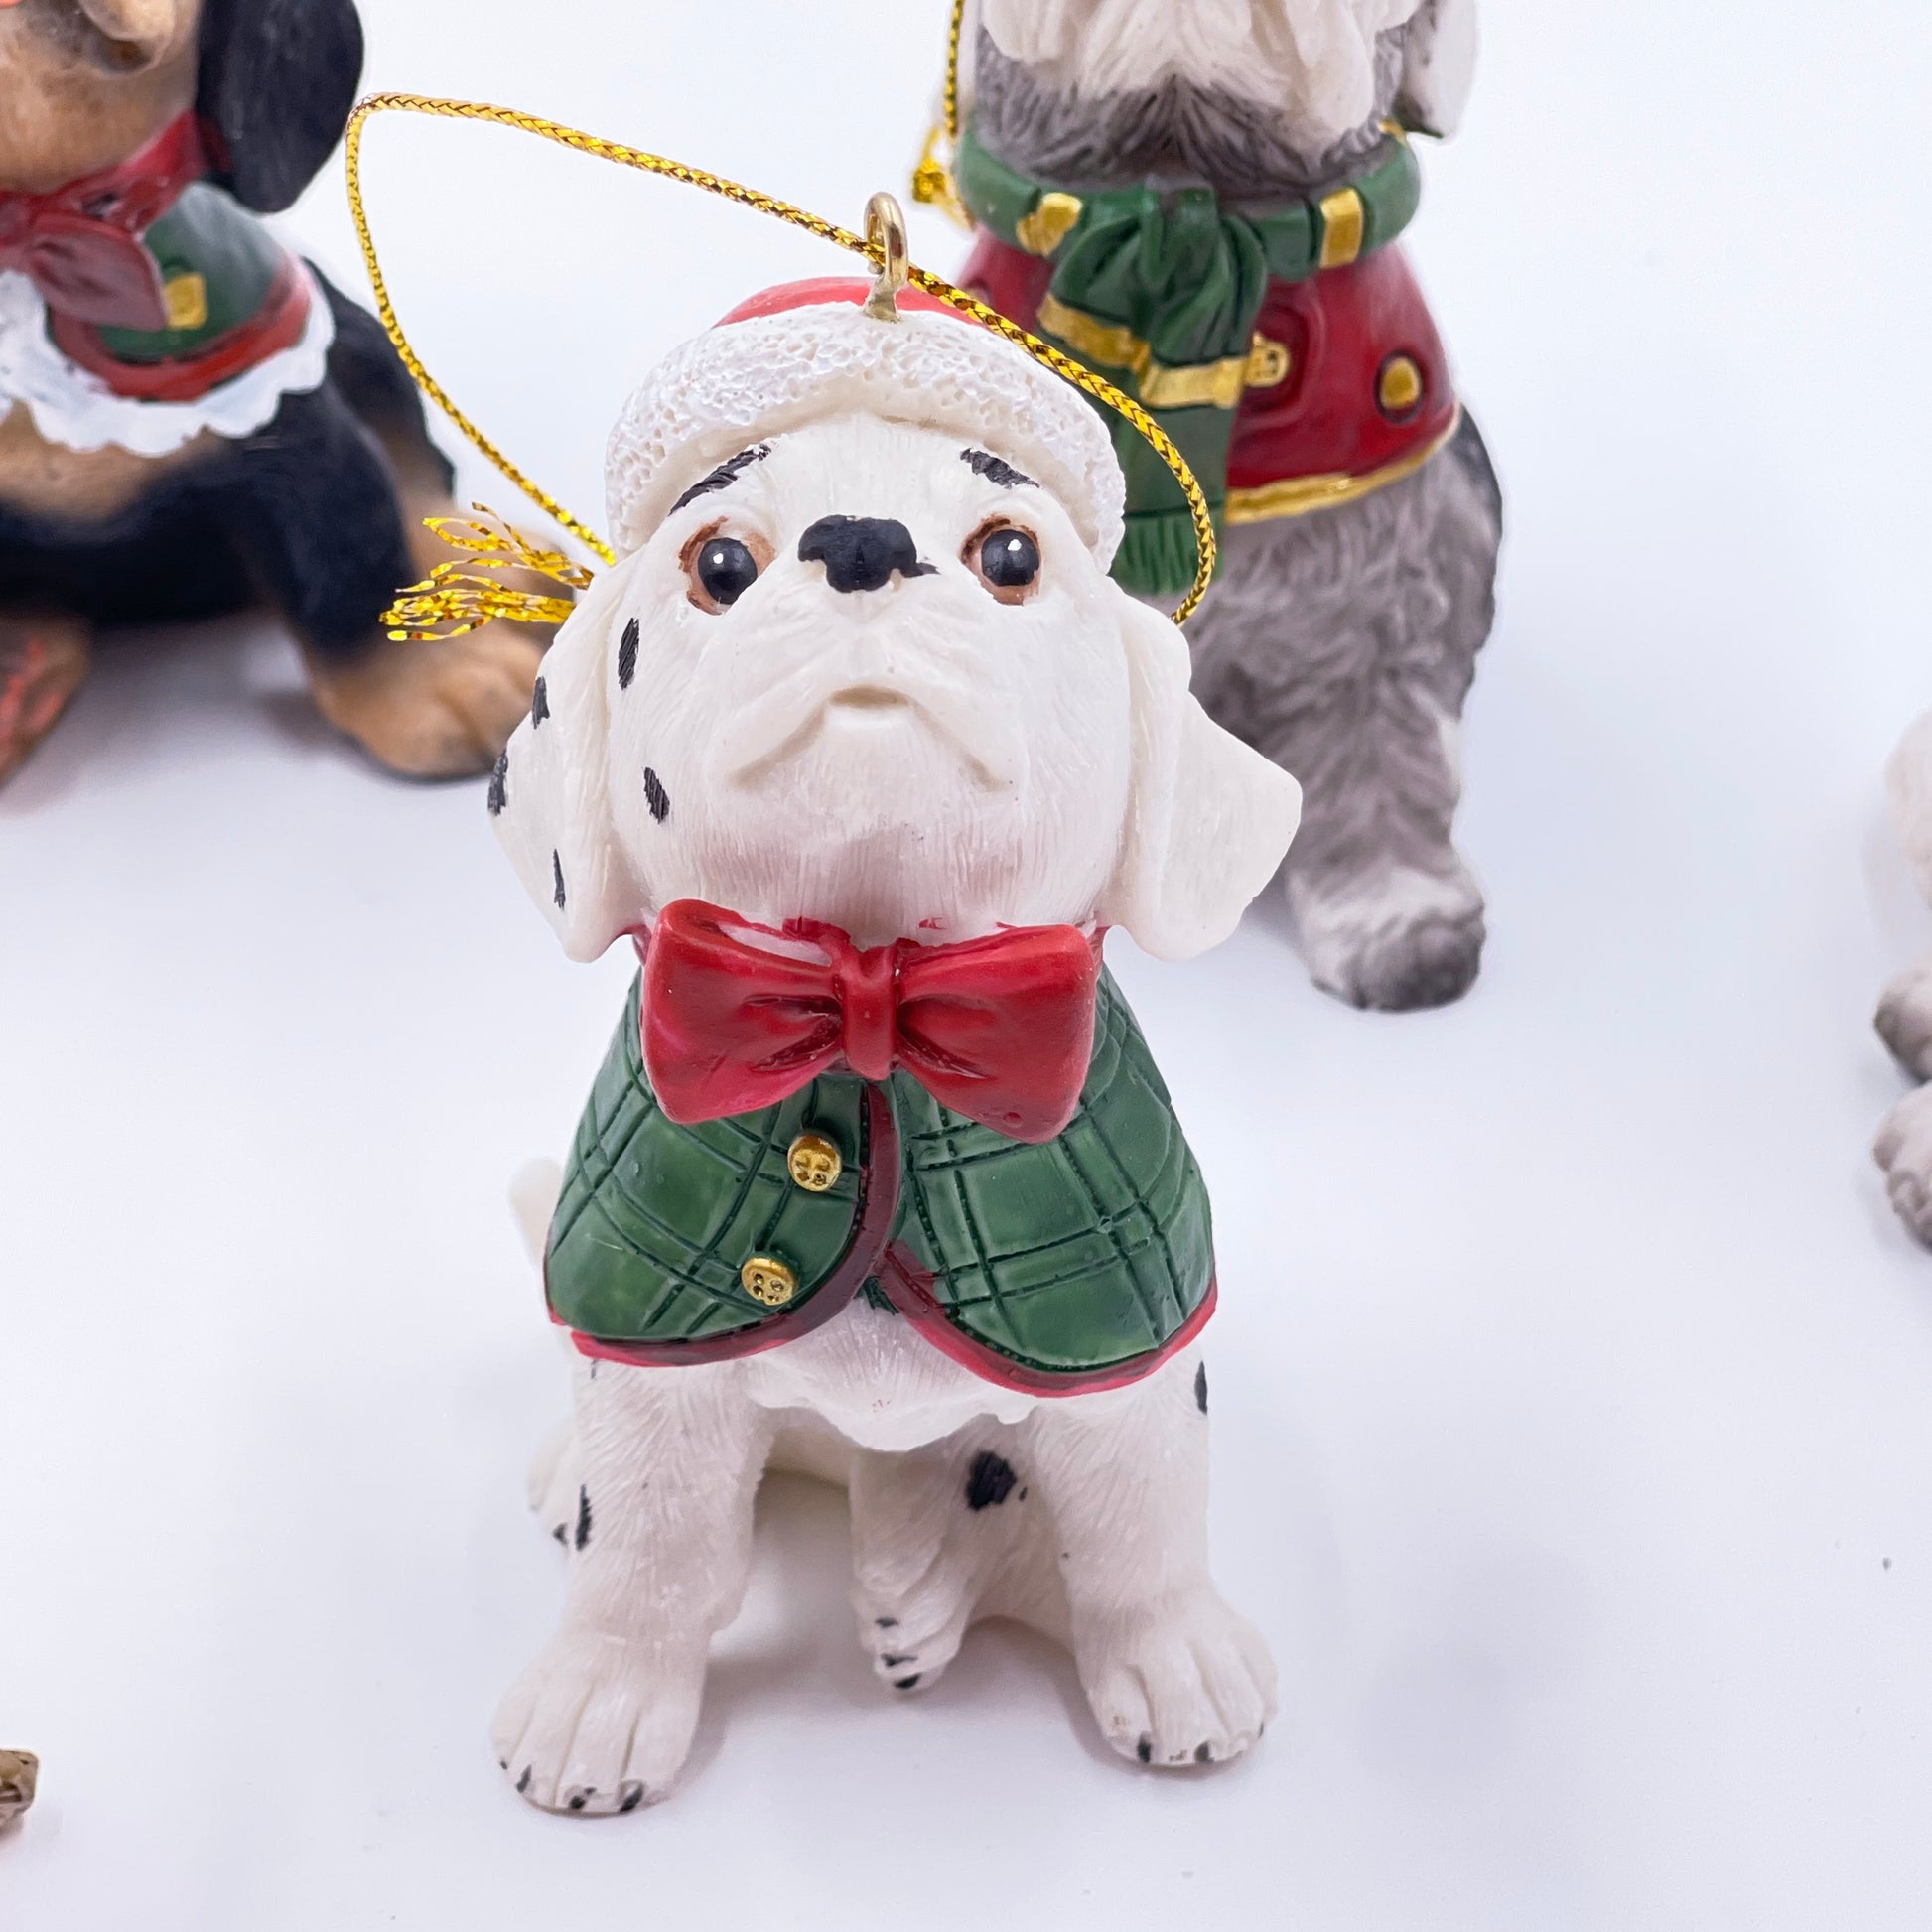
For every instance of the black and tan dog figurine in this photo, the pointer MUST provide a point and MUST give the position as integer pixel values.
(192, 420)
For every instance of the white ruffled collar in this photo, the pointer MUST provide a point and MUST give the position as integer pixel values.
(73, 407)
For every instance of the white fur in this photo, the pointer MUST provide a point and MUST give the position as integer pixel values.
(915, 761)
(1313, 59)
(1106, 1550)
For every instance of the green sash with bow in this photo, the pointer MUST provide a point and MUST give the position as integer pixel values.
(1160, 290)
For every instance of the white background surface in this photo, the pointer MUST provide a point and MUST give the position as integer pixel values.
(1573, 1389)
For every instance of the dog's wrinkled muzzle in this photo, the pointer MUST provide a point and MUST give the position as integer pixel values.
(926, 684)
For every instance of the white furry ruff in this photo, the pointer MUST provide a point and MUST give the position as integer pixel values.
(1316, 58)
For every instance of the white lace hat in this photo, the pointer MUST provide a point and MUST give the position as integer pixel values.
(807, 350)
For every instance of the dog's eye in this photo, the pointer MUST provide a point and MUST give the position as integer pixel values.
(725, 570)
(1010, 560)
(1006, 560)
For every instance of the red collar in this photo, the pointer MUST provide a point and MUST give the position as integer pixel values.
(79, 245)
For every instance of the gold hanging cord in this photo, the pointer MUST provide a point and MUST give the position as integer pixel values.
(499, 548)
(932, 179)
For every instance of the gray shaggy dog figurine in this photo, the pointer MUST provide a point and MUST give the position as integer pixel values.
(1199, 200)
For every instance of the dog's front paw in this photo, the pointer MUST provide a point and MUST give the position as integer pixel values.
(437, 707)
(1904, 1019)
(1183, 1682)
(1396, 941)
(597, 1726)
(42, 665)
(1904, 1150)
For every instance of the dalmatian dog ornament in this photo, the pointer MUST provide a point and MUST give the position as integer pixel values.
(863, 750)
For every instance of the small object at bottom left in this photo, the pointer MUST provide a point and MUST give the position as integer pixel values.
(18, 1773)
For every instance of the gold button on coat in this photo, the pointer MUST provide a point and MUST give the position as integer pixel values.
(1399, 387)
(766, 1279)
(185, 300)
(816, 1162)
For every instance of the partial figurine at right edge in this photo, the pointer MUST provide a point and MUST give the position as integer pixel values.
(1203, 209)
(1904, 1019)
(18, 1773)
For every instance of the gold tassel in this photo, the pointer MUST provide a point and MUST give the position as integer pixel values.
(456, 598)
(932, 184)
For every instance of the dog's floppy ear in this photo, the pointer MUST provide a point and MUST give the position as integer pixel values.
(277, 81)
(1208, 819)
(1438, 67)
(549, 796)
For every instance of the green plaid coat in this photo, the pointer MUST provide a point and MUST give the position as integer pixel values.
(1078, 1264)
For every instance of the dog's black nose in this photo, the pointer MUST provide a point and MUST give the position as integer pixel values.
(861, 553)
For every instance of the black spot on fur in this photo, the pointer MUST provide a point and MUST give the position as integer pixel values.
(885, 1623)
(655, 797)
(499, 782)
(897, 1663)
(630, 1796)
(990, 1480)
(627, 655)
(1002, 474)
(905, 1683)
(1144, 1750)
(539, 703)
(1200, 1388)
(557, 872)
(562, 1534)
(1202, 1754)
(579, 1799)
(725, 474)
(583, 1517)
(523, 1783)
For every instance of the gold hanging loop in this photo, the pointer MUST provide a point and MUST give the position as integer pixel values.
(877, 249)
(885, 243)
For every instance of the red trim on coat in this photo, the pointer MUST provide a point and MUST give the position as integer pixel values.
(908, 1288)
(905, 1283)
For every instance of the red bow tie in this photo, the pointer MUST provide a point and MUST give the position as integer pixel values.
(738, 1017)
(79, 246)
